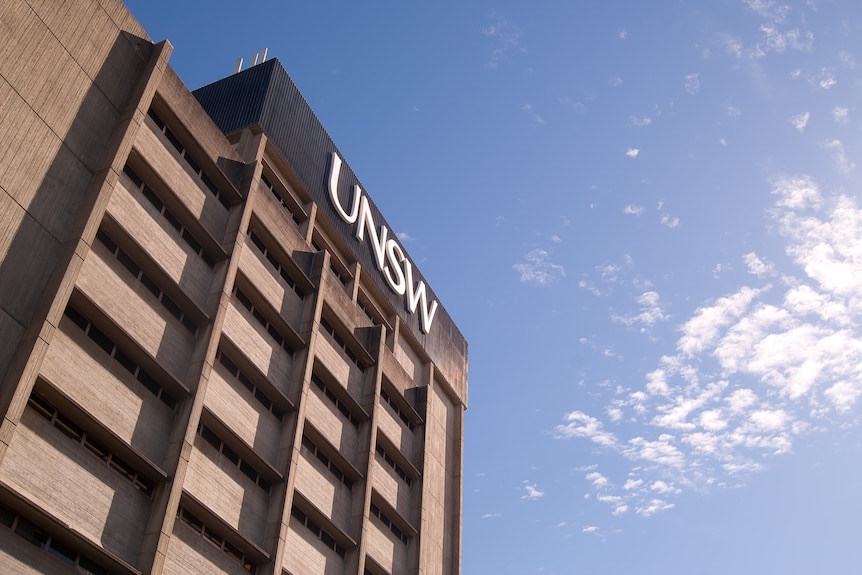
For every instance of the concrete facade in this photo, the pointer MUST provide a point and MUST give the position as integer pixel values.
(201, 370)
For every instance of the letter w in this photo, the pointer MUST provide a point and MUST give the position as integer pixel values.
(416, 293)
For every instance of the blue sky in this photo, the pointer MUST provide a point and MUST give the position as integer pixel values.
(644, 218)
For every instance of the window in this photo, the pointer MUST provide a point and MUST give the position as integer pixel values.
(339, 341)
(233, 457)
(340, 405)
(376, 512)
(184, 153)
(34, 535)
(219, 542)
(273, 261)
(105, 342)
(258, 393)
(308, 444)
(261, 319)
(154, 200)
(146, 281)
(384, 395)
(71, 430)
(277, 194)
(321, 534)
(391, 463)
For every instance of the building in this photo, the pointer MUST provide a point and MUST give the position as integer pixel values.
(214, 356)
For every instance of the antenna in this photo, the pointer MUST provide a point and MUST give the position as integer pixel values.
(263, 55)
(238, 66)
(254, 58)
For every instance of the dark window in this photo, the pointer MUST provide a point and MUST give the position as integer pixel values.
(172, 220)
(207, 533)
(229, 454)
(297, 514)
(139, 275)
(261, 319)
(110, 348)
(193, 164)
(62, 422)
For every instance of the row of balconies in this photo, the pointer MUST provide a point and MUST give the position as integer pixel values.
(122, 362)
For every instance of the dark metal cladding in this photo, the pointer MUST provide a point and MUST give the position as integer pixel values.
(266, 97)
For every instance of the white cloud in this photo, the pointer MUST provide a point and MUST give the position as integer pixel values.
(538, 269)
(641, 121)
(751, 370)
(579, 424)
(839, 157)
(800, 121)
(615, 81)
(405, 237)
(840, 114)
(632, 152)
(531, 492)
(774, 40)
(535, 118)
(597, 479)
(650, 311)
(757, 266)
(691, 83)
(633, 210)
(826, 79)
(653, 506)
(505, 39)
(573, 104)
(669, 221)
(769, 10)
(590, 529)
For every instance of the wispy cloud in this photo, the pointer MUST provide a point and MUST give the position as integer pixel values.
(632, 152)
(539, 269)
(641, 121)
(800, 121)
(691, 83)
(669, 221)
(649, 313)
(839, 158)
(825, 80)
(531, 492)
(575, 105)
(840, 114)
(750, 372)
(535, 118)
(633, 210)
(769, 10)
(775, 40)
(757, 266)
(775, 35)
(505, 39)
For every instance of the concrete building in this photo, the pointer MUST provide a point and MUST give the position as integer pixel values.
(214, 356)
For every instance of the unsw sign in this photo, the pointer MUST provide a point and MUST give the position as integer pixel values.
(391, 261)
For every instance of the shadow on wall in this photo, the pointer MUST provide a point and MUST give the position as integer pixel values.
(57, 121)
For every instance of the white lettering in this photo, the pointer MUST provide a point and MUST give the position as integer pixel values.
(395, 259)
(391, 261)
(417, 293)
(334, 172)
(378, 241)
